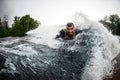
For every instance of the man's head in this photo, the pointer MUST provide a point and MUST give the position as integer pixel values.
(70, 29)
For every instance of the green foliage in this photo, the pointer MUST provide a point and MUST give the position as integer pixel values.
(112, 22)
(20, 26)
(4, 29)
(23, 25)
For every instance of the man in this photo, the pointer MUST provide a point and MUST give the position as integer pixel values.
(69, 33)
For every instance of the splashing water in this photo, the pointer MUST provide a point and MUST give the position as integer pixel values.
(88, 57)
(106, 47)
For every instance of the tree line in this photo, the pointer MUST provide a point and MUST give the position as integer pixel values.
(112, 23)
(20, 26)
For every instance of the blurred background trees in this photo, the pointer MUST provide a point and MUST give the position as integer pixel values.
(4, 28)
(20, 26)
(23, 25)
(112, 23)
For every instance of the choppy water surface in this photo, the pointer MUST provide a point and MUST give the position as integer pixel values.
(39, 56)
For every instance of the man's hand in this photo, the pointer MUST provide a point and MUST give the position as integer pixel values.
(57, 36)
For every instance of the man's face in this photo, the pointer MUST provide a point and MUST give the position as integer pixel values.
(70, 30)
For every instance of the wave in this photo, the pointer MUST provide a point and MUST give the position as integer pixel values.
(39, 56)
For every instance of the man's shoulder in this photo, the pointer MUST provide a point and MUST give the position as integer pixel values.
(62, 31)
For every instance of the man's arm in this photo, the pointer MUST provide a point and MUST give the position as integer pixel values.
(57, 36)
(61, 34)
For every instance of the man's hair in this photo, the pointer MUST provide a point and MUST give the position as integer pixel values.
(70, 24)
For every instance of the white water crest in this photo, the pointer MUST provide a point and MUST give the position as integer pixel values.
(104, 51)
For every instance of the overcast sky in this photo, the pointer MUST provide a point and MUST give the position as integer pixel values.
(56, 12)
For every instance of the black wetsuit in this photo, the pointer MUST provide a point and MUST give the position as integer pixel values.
(63, 35)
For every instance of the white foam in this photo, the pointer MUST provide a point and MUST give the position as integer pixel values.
(100, 65)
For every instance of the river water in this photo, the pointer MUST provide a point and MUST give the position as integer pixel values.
(38, 56)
